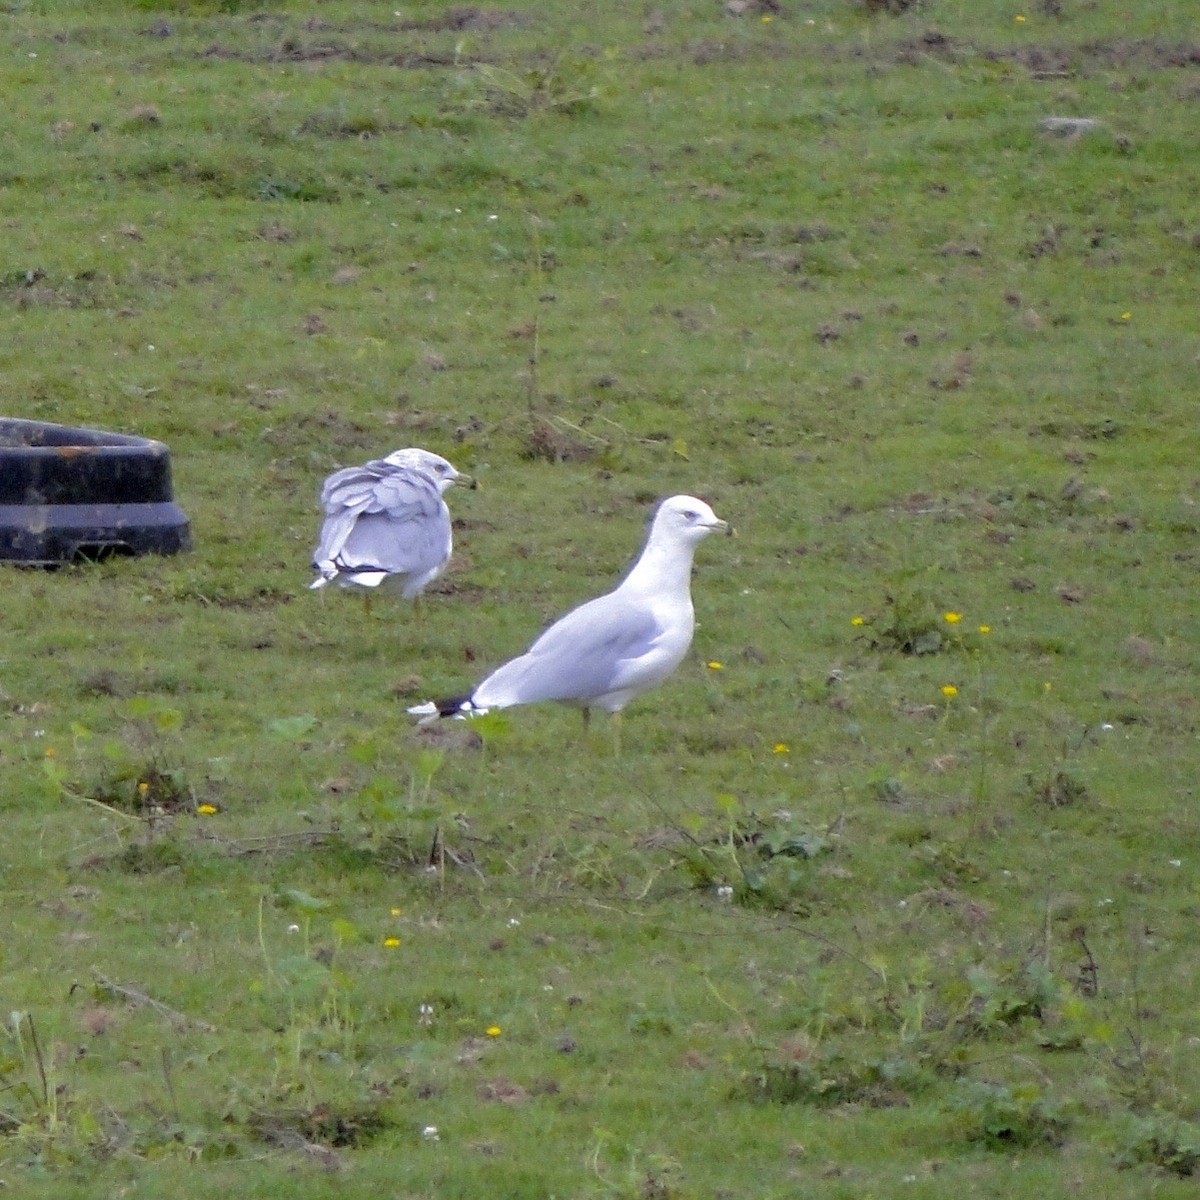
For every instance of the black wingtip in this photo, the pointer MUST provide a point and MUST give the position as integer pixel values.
(454, 706)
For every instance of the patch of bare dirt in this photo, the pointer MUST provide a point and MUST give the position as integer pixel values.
(31, 289)
(1045, 60)
(546, 442)
(330, 43)
(298, 50)
(468, 17)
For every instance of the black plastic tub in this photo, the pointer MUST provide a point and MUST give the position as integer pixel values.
(69, 494)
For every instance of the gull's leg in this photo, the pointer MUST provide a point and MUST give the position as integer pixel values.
(367, 601)
(616, 728)
(417, 608)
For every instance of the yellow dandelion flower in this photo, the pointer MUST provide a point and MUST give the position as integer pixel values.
(985, 629)
(856, 621)
(715, 666)
(493, 1031)
(781, 748)
(395, 912)
(391, 941)
(1019, 19)
(1047, 686)
(51, 752)
(1126, 316)
(143, 788)
(949, 690)
(952, 618)
(206, 810)
(767, 20)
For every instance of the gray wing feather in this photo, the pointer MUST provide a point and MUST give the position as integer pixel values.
(378, 486)
(334, 532)
(579, 657)
(380, 515)
(399, 545)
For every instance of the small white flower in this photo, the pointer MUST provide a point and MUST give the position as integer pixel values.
(902, 904)
(1175, 862)
(493, 217)
(724, 892)
(425, 1014)
(430, 1133)
(149, 347)
(1106, 726)
(1106, 900)
(293, 929)
(513, 921)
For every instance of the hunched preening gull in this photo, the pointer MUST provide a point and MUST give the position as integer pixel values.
(386, 524)
(609, 650)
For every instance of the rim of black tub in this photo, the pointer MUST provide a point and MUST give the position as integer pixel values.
(69, 493)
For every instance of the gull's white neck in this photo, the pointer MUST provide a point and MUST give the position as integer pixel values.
(665, 566)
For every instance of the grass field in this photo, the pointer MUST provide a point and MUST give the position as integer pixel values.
(892, 889)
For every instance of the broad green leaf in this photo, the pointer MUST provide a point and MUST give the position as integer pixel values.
(303, 901)
(428, 763)
(168, 720)
(291, 729)
(365, 752)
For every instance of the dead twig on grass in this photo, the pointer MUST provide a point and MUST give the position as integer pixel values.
(141, 999)
(268, 843)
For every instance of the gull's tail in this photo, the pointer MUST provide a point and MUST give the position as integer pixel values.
(453, 706)
(327, 574)
(364, 575)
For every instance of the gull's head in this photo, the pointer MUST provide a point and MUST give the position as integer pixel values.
(435, 466)
(687, 518)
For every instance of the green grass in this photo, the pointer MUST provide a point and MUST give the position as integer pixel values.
(822, 928)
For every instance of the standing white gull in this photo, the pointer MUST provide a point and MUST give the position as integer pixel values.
(386, 524)
(611, 649)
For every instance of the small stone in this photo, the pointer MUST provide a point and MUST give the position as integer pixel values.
(1067, 126)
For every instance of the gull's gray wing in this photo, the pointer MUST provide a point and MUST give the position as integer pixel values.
(398, 545)
(585, 654)
(382, 516)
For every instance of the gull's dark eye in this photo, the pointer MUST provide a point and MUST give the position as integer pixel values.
(689, 515)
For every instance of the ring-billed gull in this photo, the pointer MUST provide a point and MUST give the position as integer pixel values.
(386, 524)
(611, 649)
